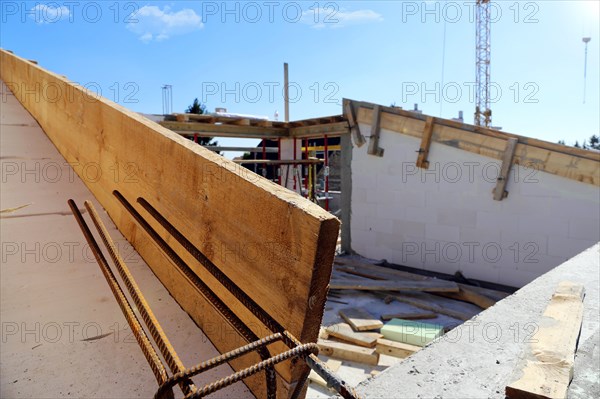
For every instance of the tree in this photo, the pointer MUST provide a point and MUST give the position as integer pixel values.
(196, 108)
(199, 109)
(594, 142)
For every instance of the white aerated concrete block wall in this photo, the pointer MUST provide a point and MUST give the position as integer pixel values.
(445, 219)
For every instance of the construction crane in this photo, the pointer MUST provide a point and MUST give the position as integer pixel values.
(483, 113)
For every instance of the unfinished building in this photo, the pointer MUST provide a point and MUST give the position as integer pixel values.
(251, 261)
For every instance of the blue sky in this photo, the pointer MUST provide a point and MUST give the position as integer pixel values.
(231, 54)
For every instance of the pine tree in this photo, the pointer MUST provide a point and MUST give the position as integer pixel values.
(197, 108)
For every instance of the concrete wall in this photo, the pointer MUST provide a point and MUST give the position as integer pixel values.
(444, 219)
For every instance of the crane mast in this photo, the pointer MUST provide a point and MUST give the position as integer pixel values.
(483, 113)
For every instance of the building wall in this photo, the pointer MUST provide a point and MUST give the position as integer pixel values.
(444, 219)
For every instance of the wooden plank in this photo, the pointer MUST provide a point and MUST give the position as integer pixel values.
(438, 305)
(422, 161)
(334, 129)
(430, 285)
(344, 332)
(582, 165)
(377, 272)
(225, 130)
(465, 293)
(350, 352)
(199, 192)
(360, 319)
(349, 113)
(409, 316)
(332, 364)
(546, 368)
(507, 161)
(396, 349)
(374, 148)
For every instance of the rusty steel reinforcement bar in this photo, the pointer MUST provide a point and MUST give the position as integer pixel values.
(214, 362)
(163, 343)
(205, 290)
(312, 361)
(301, 350)
(151, 356)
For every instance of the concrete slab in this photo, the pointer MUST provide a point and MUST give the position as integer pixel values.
(477, 359)
(63, 334)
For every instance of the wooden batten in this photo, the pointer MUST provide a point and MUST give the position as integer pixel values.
(507, 161)
(422, 161)
(274, 244)
(374, 148)
(350, 114)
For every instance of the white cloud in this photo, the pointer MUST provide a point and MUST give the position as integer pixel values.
(152, 23)
(47, 14)
(321, 18)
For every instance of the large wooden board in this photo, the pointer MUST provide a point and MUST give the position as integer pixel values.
(277, 246)
(547, 365)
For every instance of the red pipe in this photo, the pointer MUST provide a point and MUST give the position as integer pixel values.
(279, 159)
(294, 165)
(326, 176)
(307, 166)
(264, 154)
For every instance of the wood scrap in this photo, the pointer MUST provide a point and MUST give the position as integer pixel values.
(396, 349)
(468, 295)
(344, 332)
(350, 352)
(439, 305)
(332, 364)
(409, 316)
(432, 285)
(360, 320)
(546, 368)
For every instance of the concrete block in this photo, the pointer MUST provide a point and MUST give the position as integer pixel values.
(410, 197)
(540, 264)
(439, 232)
(496, 221)
(524, 246)
(419, 214)
(404, 227)
(457, 217)
(586, 229)
(470, 235)
(544, 224)
(480, 271)
(565, 247)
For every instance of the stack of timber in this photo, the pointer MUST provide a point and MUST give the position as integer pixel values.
(422, 306)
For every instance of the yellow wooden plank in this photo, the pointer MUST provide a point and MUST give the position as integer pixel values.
(348, 352)
(396, 349)
(344, 332)
(360, 320)
(272, 243)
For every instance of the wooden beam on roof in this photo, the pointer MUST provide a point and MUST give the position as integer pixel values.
(199, 193)
(329, 129)
(212, 130)
(537, 155)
